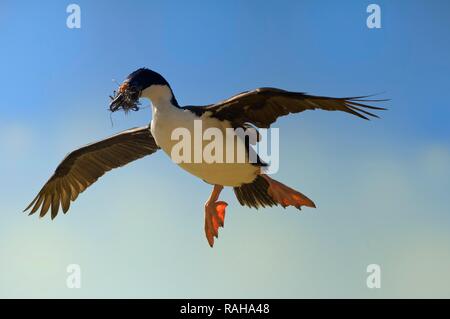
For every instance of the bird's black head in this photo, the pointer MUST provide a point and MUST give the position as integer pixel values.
(129, 92)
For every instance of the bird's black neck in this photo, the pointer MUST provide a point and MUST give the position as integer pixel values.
(173, 100)
(160, 95)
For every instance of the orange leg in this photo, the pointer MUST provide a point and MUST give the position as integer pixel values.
(285, 195)
(214, 214)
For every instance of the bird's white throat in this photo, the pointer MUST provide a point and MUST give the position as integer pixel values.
(159, 95)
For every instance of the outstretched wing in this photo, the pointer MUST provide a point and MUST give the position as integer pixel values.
(263, 106)
(81, 168)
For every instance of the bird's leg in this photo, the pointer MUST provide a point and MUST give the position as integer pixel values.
(214, 214)
(285, 195)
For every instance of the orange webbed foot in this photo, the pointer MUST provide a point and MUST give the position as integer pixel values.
(214, 218)
(286, 196)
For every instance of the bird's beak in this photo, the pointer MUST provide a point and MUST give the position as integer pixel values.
(116, 102)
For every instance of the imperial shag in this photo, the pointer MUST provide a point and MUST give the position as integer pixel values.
(249, 110)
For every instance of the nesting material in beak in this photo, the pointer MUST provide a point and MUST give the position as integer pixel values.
(116, 102)
(125, 98)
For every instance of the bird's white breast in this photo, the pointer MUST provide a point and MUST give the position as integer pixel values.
(167, 118)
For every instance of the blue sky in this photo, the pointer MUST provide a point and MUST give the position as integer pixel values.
(381, 187)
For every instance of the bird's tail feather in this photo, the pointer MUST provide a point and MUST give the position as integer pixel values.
(255, 194)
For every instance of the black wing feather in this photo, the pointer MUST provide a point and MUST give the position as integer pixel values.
(82, 167)
(264, 106)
